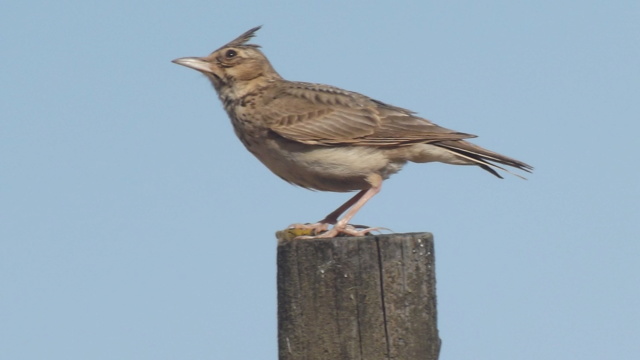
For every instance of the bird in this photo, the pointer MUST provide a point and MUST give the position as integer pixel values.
(322, 137)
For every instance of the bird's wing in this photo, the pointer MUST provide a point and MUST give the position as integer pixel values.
(324, 115)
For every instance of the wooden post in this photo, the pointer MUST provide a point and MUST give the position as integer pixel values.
(357, 298)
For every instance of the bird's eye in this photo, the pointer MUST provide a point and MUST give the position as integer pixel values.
(231, 54)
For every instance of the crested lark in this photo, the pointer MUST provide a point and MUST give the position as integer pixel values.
(325, 138)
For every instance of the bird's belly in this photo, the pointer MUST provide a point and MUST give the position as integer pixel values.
(325, 168)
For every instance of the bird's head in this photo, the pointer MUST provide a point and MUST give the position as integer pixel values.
(235, 64)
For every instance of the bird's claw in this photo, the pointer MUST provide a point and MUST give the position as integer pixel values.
(322, 231)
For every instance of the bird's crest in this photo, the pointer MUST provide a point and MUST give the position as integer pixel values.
(246, 36)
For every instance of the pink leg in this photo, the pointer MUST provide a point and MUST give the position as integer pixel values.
(356, 203)
(333, 217)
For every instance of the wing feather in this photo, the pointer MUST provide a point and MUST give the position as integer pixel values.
(325, 115)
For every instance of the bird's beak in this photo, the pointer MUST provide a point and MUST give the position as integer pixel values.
(196, 63)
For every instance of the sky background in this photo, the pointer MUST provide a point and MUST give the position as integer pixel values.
(134, 225)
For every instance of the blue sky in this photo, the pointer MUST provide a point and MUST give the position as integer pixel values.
(134, 225)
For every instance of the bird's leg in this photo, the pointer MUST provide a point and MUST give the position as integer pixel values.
(331, 219)
(356, 203)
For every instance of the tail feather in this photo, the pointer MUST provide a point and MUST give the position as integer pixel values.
(483, 157)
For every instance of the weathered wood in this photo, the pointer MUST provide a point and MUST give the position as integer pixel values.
(357, 298)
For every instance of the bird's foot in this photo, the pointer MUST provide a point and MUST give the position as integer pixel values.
(347, 230)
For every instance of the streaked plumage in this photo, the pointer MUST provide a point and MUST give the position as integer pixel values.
(325, 138)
